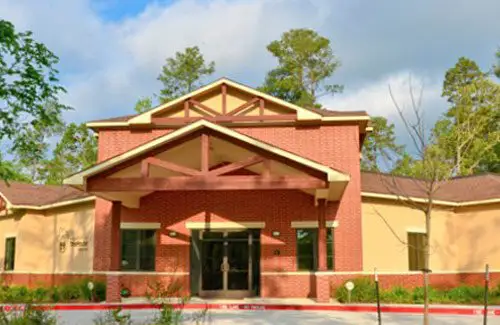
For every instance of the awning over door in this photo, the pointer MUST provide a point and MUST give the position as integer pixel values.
(206, 156)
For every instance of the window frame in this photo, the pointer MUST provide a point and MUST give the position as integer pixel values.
(330, 259)
(138, 252)
(416, 256)
(314, 256)
(12, 260)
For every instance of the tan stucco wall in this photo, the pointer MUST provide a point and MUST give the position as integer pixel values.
(462, 239)
(38, 236)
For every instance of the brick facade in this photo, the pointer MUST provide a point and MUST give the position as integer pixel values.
(333, 146)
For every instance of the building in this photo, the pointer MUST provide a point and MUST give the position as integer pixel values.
(234, 193)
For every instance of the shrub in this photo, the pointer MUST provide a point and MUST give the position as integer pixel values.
(16, 294)
(364, 291)
(398, 295)
(70, 292)
(466, 294)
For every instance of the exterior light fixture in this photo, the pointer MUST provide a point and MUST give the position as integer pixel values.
(276, 233)
(172, 234)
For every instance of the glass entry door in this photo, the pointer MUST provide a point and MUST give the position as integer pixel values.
(226, 262)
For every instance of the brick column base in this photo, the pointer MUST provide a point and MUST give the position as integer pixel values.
(113, 288)
(323, 289)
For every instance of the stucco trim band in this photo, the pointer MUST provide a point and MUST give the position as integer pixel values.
(140, 225)
(422, 200)
(416, 230)
(224, 225)
(48, 206)
(313, 224)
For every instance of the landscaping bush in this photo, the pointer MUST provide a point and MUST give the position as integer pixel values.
(77, 291)
(364, 292)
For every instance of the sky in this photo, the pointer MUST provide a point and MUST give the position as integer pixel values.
(111, 51)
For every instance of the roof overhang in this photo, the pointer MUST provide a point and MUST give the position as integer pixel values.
(336, 180)
(302, 114)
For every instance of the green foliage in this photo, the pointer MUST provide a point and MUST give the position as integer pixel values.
(29, 91)
(77, 291)
(113, 316)
(76, 150)
(305, 63)
(11, 171)
(183, 73)
(380, 144)
(468, 135)
(143, 105)
(364, 292)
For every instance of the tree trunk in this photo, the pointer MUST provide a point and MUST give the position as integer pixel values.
(426, 260)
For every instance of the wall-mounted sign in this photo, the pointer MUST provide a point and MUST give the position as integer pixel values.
(80, 243)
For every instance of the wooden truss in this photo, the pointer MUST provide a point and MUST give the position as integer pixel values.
(205, 178)
(235, 115)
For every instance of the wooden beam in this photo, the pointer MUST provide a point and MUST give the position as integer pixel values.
(221, 118)
(236, 166)
(224, 99)
(205, 153)
(267, 168)
(204, 107)
(170, 166)
(186, 109)
(194, 183)
(243, 106)
(261, 106)
(144, 168)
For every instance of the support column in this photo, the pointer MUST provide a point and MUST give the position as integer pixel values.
(322, 265)
(322, 280)
(113, 286)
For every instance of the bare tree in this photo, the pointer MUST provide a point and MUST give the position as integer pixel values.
(432, 171)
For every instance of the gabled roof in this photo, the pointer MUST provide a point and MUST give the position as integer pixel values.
(465, 190)
(35, 196)
(80, 178)
(306, 114)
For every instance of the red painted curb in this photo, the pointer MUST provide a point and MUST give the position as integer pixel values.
(256, 307)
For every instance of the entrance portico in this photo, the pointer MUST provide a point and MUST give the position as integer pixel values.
(203, 159)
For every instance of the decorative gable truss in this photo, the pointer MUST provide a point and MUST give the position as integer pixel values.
(206, 178)
(220, 110)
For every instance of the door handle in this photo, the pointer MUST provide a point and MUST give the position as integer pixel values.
(224, 267)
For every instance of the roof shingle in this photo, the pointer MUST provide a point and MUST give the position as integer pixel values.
(37, 195)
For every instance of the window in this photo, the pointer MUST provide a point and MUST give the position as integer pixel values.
(416, 251)
(10, 253)
(330, 250)
(138, 249)
(307, 240)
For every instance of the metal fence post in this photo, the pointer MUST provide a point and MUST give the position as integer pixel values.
(377, 293)
(486, 288)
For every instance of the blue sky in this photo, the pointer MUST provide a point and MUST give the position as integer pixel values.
(111, 51)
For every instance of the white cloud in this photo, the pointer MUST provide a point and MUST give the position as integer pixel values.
(375, 98)
(108, 65)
